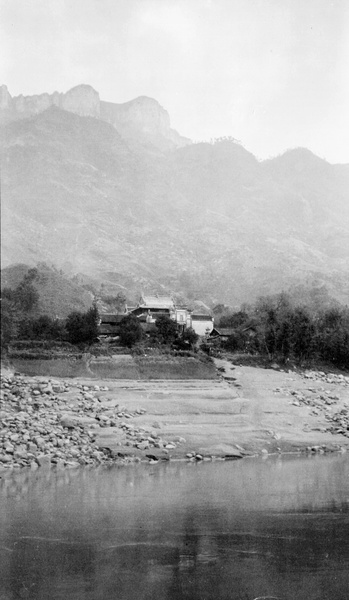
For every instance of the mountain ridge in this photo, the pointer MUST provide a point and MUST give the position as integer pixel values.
(207, 220)
(142, 116)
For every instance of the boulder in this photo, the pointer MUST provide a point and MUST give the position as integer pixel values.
(32, 447)
(5, 458)
(68, 421)
(222, 450)
(57, 387)
(43, 460)
(20, 454)
(71, 421)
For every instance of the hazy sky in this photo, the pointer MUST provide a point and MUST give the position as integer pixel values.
(271, 73)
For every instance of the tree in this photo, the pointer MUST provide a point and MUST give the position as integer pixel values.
(16, 305)
(234, 320)
(41, 328)
(332, 336)
(9, 325)
(130, 331)
(74, 327)
(83, 327)
(24, 297)
(302, 334)
(283, 329)
(236, 341)
(91, 322)
(267, 324)
(167, 329)
(273, 318)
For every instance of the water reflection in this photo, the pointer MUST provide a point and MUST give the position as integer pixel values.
(219, 531)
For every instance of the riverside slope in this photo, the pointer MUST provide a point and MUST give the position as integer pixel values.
(246, 411)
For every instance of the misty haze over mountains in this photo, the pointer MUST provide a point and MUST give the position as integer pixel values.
(112, 192)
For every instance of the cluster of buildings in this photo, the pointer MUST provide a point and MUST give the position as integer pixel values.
(149, 308)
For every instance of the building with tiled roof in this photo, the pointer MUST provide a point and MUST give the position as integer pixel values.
(157, 301)
(109, 324)
(151, 307)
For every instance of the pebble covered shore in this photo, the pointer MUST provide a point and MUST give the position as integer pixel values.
(323, 400)
(40, 425)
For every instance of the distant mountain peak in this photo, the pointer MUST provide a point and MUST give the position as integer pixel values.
(299, 155)
(142, 116)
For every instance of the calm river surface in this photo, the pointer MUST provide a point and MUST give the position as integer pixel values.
(239, 530)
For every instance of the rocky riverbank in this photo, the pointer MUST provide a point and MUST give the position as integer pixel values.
(72, 422)
(49, 422)
(323, 400)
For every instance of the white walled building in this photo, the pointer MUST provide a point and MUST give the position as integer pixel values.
(151, 307)
(202, 324)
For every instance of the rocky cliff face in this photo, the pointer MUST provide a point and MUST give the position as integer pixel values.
(82, 100)
(142, 117)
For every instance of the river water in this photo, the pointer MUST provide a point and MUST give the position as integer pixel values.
(274, 528)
